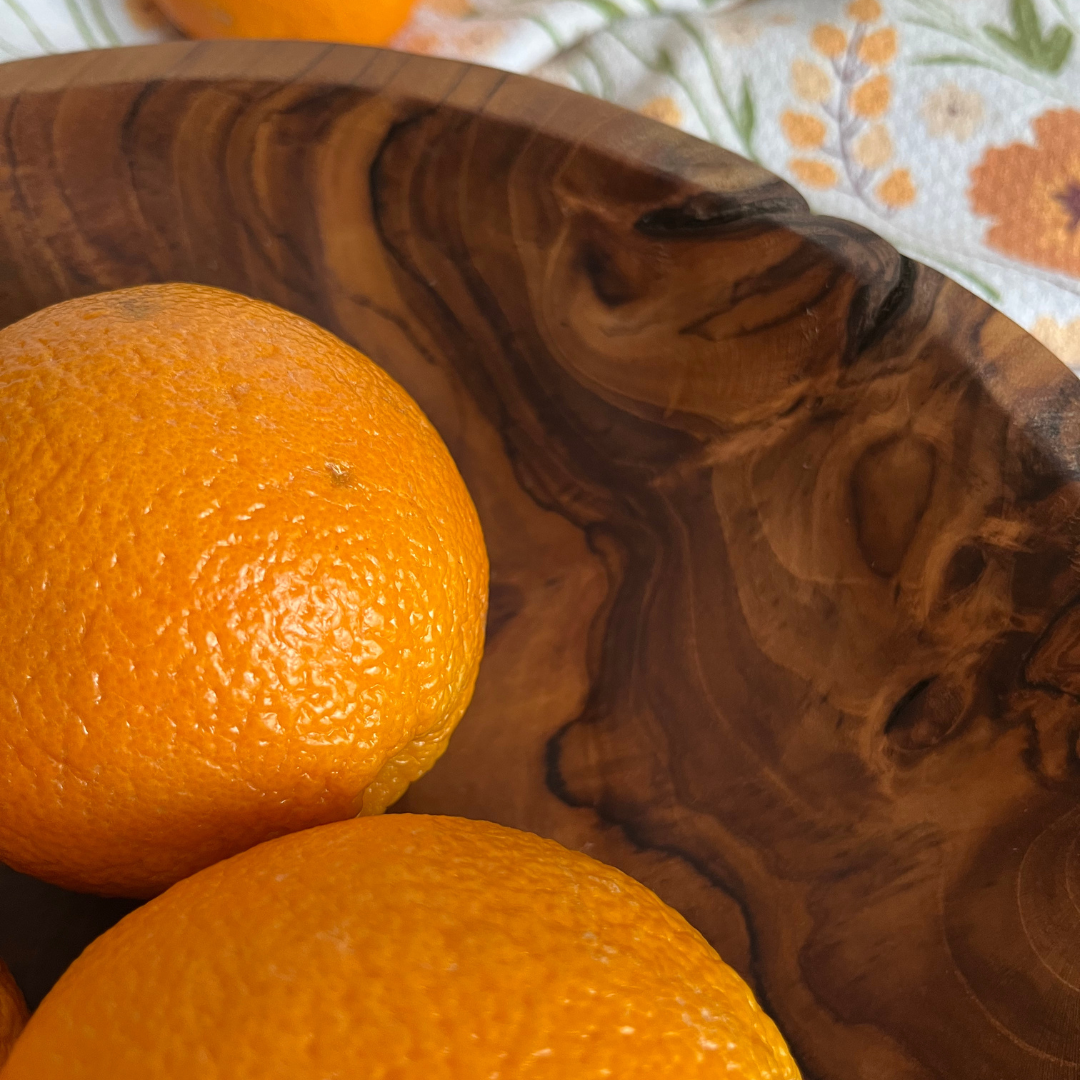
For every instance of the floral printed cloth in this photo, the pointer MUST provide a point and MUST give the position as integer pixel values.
(950, 127)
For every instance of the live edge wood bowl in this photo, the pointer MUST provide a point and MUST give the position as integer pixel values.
(783, 525)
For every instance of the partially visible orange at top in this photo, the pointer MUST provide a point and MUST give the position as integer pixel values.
(354, 22)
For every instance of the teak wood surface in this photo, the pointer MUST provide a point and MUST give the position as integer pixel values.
(783, 525)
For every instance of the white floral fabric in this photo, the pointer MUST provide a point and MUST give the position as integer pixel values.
(950, 127)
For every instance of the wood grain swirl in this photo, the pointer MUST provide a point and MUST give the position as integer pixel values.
(785, 605)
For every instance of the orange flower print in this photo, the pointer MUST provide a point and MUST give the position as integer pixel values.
(874, 148)
(664, 109)
(953, 112)
(1032, 193)
(817, 174)
(810, 82)
(456, 39)
(737, 30)
(896, 190)
(879, 48)
(1062, 341)
(850, 145)
(871, 98)
(830, 41)
(864, 11)
(803, 130)
(419, 41)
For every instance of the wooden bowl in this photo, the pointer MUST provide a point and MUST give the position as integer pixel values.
(783, 525)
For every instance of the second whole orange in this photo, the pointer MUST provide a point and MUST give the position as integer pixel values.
(354, 22)
(242, 585)
(13, 1012)
(402, 948)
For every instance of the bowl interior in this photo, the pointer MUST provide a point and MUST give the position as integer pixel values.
(782, 525)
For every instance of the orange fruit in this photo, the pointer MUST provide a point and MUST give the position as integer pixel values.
(356, 22)
(13, 1012)
(402, 948)
(242, 585)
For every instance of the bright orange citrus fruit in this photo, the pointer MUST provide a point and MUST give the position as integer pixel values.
(13, 1012)
(242, 585)
(355, 22)
(402, 948)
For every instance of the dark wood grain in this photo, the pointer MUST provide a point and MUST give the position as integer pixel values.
(785, 602)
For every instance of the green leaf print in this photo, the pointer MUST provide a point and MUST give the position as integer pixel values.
(81, 24)
(1028, 44)
(953, 58)
(607, 8)
(104, 23)
(741, 116)
(746, 117)
(35, 31)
